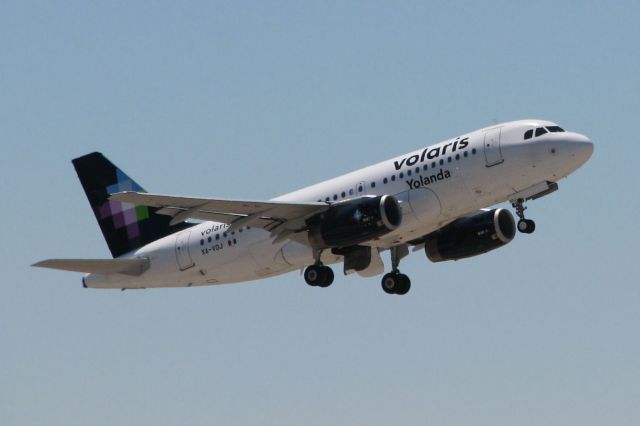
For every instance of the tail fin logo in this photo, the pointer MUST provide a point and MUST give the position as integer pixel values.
(125, 226)
(124, 215)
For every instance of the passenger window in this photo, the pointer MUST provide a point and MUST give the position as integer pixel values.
(418, 169)
(373, 184)
(441, 161)
(401, 175)
(540, 131)
(457, 156)
(528, 134)
(473, 151)
(351, 192)
(393, 177)
(359, 188)
(448, 159)
(409, 172)
(433, 165)
(466, 154)
(424, 167)
(344, 194)
(335, 197)
(385, 180)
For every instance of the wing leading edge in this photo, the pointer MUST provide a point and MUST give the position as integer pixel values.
(280, 218)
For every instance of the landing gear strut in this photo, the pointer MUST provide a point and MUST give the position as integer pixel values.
(394, 282)
(318, 275)
(526, 226)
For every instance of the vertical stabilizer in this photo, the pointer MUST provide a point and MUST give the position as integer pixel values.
(125, 226)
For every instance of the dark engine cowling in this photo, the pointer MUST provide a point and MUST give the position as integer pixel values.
(353, 222)
(471, 236)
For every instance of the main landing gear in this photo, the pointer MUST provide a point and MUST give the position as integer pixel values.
(394, 282)
(318, 275)
(526, 226)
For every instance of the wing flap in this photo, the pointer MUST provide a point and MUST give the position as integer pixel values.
(133, 267)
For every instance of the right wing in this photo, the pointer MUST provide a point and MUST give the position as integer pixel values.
(280, 218)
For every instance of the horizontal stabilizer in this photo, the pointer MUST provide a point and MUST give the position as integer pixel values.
(98, 266)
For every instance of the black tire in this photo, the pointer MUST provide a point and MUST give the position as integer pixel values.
(327, 276)
(313, 275)
(531, 226)
(522, 226)
(526, 226)
(390, 283)
(405, 284)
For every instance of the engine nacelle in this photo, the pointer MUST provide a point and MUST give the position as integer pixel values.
(354, 221)
(471, 236)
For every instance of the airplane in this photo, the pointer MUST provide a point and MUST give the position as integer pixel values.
(437, 199)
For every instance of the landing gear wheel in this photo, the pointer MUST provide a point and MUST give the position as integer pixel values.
(313, 275)
(327, 278)
(526, 226)
(318, 275)
(405, 284)
(390, 283)
(396, 283)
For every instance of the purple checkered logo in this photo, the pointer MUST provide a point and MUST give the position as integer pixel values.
(124, 215)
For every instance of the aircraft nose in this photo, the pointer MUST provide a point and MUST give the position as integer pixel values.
(581, 147)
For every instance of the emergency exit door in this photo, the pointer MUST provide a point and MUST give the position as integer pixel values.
(182, 251)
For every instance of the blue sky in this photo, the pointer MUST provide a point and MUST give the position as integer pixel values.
(255, 99)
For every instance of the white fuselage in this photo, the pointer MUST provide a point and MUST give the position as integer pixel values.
(434, 186)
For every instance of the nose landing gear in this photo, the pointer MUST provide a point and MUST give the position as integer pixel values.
(526, 226)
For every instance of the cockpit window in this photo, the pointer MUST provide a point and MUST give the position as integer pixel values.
(528, 134)
(541, 131)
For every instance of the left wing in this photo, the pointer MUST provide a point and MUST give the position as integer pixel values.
(280, 218)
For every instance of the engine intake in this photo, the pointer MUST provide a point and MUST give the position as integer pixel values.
(354, 221)
(471, 236)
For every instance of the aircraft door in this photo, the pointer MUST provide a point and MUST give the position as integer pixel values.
(492, 151)
(182, 251)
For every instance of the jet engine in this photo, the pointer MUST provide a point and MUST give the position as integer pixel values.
(470, 236)
(353, 222)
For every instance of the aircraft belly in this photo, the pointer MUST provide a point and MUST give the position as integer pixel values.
(263, 256)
